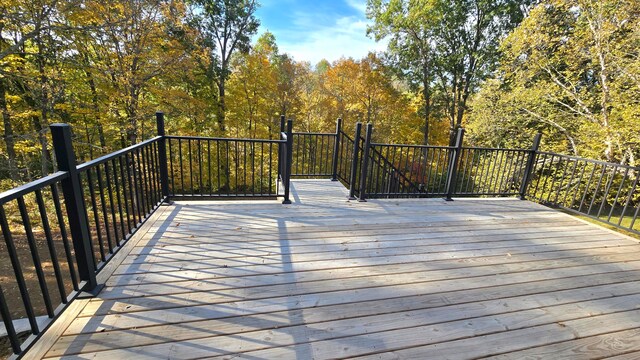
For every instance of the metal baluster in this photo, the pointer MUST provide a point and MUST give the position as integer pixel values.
(35, 256)
(52, 249)
(615, 201)
(63, 233)
(117, 186)
(629, 197)
(8, 324)
(17, 271)
(124, 195)
(103, 204)
(96, 217)
(607, 189)
(586, 188)
(593, 199)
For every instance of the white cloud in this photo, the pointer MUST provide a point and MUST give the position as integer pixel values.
(361, 6)
(346, 37)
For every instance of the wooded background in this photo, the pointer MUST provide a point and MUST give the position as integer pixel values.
(504, 69)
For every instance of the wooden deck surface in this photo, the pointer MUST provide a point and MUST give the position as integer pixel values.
(386, 279)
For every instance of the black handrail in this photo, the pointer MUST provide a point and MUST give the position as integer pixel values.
(28, 188)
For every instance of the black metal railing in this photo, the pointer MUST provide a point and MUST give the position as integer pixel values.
(285, 154)
(23, 231)
(313, 155)
(490, 172)
(600, 190)
(407, 171)
(344, 158)
(63, 228)
(222, 167)
(316, 155)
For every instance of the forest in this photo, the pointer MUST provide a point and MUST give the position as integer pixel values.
(503, 69)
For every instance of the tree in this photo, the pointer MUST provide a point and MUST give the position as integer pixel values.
(444, 48)
(225, 26)
(571, 69)
(364, 90)
(410, 27)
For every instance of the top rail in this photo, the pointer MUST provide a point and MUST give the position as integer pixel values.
(202, 138)
(28, 188)
(116, 154)
(593, 161)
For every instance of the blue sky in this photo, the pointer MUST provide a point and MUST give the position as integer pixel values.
(313, 30)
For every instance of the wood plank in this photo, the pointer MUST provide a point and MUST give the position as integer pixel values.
(395, 265)
(593, 347)
(225, 268)
(364, 239)
(287, 252)
(633, 355)
(57, 328)
(239, 236)
(103, 307)
(361, 335)
(466, 339)
(389, 241)
(253, 265)
(198, 304)
(447, 311)
(618, 329)
(418, 276)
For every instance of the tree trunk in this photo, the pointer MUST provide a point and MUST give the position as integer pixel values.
(132, 114)
(8, 134)
(42, 140)
(44, 111)
(95, 105)
(222, 109)
(426, 93)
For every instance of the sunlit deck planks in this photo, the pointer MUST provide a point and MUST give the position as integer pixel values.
(327, 278)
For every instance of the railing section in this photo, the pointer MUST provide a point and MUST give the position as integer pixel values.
(490, 172)
(600, 190)
(222, 167)
(345, 158)
(63, 228)
(313, 155)
(407, 170)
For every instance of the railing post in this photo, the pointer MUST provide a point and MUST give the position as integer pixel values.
(365, 163)
(354, 162)
(336, 151)
(74, 202)
(162, 156)
(281, 163)
(287, 171)
(453, 165)
(526, 177)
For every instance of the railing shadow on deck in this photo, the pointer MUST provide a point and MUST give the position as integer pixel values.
(99, 205)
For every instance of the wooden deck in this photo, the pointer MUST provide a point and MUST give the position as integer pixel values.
(386, 279)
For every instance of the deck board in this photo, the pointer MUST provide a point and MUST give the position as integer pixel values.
(326, 278)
